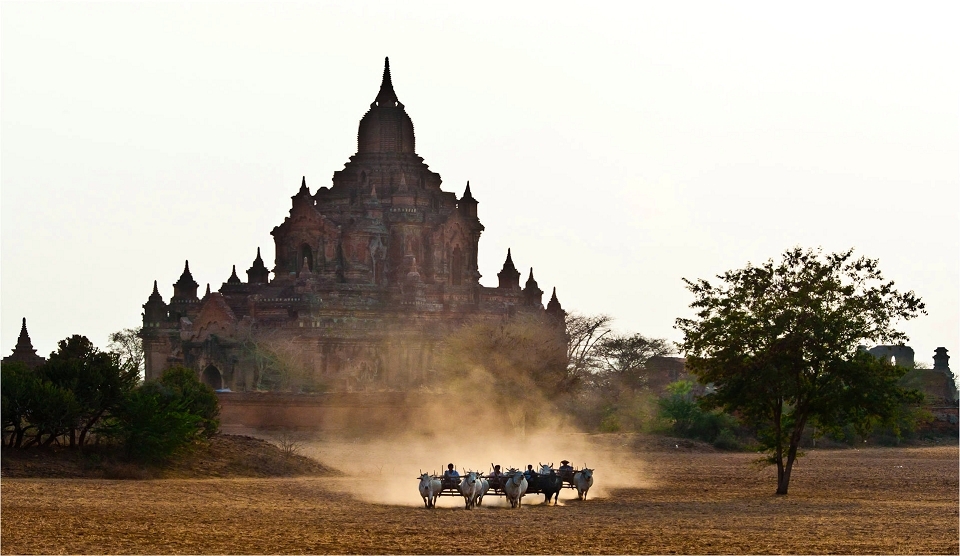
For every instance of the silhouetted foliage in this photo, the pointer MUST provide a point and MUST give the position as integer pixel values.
(17, 388)
(128, 346)
(164, 416)
(780, 344)
(687, 419)
(96, 379)
(200, 400)
(623, 359)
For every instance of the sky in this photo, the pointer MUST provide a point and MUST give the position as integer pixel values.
(615, 147)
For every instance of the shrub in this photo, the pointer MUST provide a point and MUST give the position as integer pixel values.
(165, 416)
(685, 418)
(154, 423)
(199, 399)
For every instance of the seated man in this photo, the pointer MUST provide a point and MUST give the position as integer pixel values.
(451, 477)
(496, 479)
(566, 471)
(529, 473)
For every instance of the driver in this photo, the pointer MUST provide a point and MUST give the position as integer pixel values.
(451, 474)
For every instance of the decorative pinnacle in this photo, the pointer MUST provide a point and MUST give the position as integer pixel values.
(466, 192)
(303, 186)
(155, 292)
(386, 97)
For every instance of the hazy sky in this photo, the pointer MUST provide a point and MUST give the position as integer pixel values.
(615, 147)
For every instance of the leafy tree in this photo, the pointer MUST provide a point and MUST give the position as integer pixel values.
(96, 379)
(685, 417)
(128, 346)
(625, 358)
(153, 423)
(161, 417)
(779, 342)
(198, 398)
(18, 387)
(53, 411)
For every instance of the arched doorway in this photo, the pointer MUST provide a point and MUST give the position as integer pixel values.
(211, 377)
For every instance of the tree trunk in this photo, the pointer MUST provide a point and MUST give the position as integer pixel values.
(783, 476)
(83, 433)
(783, 480)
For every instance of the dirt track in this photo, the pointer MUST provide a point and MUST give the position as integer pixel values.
(885, 501)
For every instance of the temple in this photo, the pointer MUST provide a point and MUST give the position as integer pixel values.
(23, 352)
(369, 276)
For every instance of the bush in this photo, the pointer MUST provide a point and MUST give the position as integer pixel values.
(154, 423)
(685, 418)
(163, 417)
(199, 399)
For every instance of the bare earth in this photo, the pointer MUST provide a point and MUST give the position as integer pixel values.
(873, 501)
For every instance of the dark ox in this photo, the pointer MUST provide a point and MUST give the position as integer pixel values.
(547, 483)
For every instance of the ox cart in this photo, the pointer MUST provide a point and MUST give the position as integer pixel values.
(548, 481)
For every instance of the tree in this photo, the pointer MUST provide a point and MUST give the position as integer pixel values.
(584, 333)
(128, 346)
(199, 399)
(18, 386)
(163, 416)
(625, 358)
(96, 379)
(779, 342)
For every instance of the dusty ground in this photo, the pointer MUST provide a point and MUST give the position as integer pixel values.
(687, 500)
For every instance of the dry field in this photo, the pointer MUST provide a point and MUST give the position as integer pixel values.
(693, 501)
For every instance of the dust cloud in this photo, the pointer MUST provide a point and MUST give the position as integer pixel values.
(386, 470)
(473, 423)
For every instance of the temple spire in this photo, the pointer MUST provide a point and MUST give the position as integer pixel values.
(303, 186)
(24, 340)
(386, 97)
(258, 273)
(554, 309)
(509, 276)
(532, 292)
(234, 279)
(186, 287)
(24, 352)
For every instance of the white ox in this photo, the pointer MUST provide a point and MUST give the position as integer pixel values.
(429, 490)
(515, 487)
(583, 480)
(484, 487)
(470, 489)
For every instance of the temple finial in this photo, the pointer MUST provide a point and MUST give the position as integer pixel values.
(155, 292)
(386, 97)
